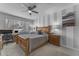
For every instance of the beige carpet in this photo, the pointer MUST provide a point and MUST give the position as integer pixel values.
(13, 49)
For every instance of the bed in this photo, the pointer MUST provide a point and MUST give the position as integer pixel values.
(31, 42)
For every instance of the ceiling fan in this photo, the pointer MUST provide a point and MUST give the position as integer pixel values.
(30, 8)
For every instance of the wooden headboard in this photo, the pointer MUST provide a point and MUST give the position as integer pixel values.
(44, 29)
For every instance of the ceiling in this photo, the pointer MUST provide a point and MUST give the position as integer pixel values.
(18, 9)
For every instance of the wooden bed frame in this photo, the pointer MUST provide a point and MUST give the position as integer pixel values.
(24, 43)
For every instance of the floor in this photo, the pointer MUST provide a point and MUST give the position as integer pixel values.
(12, 49)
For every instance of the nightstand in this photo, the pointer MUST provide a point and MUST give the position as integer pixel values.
(54, 39)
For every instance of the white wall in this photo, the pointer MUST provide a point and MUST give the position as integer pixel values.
(42, 21)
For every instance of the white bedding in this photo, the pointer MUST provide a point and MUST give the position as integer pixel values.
(32, 35)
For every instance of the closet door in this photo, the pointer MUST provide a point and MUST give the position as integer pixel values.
(76, 37)
(69, 36)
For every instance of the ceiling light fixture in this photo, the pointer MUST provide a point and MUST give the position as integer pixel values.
(30, 11)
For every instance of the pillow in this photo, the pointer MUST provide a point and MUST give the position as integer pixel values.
(34, 32)
(39, 32)
(23, 32)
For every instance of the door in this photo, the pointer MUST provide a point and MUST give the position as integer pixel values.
(69, 36)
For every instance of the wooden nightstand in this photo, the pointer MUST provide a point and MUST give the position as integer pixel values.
(54, 39)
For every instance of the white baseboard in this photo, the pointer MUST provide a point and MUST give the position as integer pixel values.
(75, 49)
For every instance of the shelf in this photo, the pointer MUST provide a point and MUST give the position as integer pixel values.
(69, 23)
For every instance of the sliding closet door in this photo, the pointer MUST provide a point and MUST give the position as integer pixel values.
(76, 37)
(69, 36)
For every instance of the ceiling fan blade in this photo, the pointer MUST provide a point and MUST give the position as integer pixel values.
(32, 7)
(35, 11)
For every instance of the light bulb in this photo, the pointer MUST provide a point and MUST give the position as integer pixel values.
(29, 11)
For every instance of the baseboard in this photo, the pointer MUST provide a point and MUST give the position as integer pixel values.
(75, 49)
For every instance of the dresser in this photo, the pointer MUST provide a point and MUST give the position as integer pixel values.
(54, 39)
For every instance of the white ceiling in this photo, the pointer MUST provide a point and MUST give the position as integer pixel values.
(43, 8)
